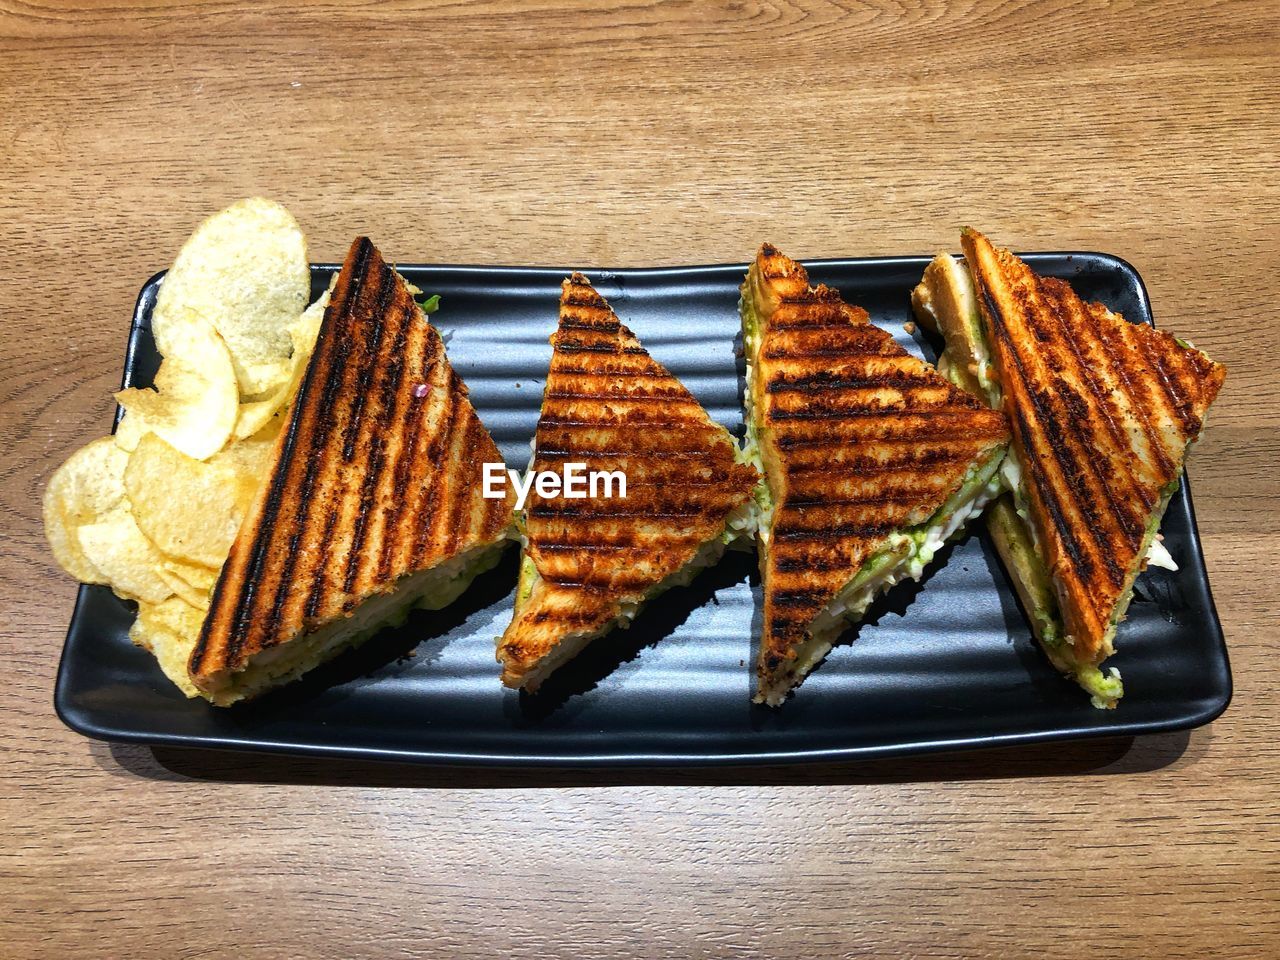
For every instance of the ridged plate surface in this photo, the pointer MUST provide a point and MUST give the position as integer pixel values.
(944, 664)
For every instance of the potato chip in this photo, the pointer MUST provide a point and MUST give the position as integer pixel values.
(244, 271)
(192, 582)
(169, 630)
(194, 409)
(305, 328)
(86, 487)
(190, 510)
(257, 414)
(129, 431)
(251, 457)
(302, 334)
(197, 575)
(126, 559)
(181, 589)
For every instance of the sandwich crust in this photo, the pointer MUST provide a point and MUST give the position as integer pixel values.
(609, 405)
(377, 475)
(859, 440)
(1102, 411)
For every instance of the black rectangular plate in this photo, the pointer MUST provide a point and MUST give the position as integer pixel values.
(944, 664)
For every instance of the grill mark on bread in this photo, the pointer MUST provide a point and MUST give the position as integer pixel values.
(1084, 552)
(429, 533)
(416, 413)
(323, 418)
(391, 367)
(1085, 434)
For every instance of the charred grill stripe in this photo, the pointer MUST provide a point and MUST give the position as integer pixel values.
(826, 320)
(590, 546)
(607, 538)
(798, 597)
(609, 397)
(570, 323)
(461, 486)
(840, 531)
(607, 381)
(626, 371)
(859, 413)
(565, 619)
(429, 490)
(1077, 430)
(540, 511)
(406, 465)
(791, 441)
(319, 572)
(381, 289)
(440, 501)
(800, 563)
(891, 498)
(1080, 553)
(470, 491)
(601, 348)
(559, 454)
(876, 349)
(433, 481)
(392, 372)
(458, 490)
(1119, 374)
(597, 424)
(415, 480)
(870, 466)
(323, 423)
(823, 380)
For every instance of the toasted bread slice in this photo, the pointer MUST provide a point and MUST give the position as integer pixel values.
(373, 505)
(1102, 413)
(589, 564)
(872, 460)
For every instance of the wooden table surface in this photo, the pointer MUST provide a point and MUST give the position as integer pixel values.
(649, 133)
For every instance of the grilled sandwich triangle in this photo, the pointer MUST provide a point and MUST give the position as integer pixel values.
(1102, 412)
(589, 564)
(374, 502)
(872, 460)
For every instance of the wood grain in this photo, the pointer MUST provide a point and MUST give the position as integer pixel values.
(644, 133)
